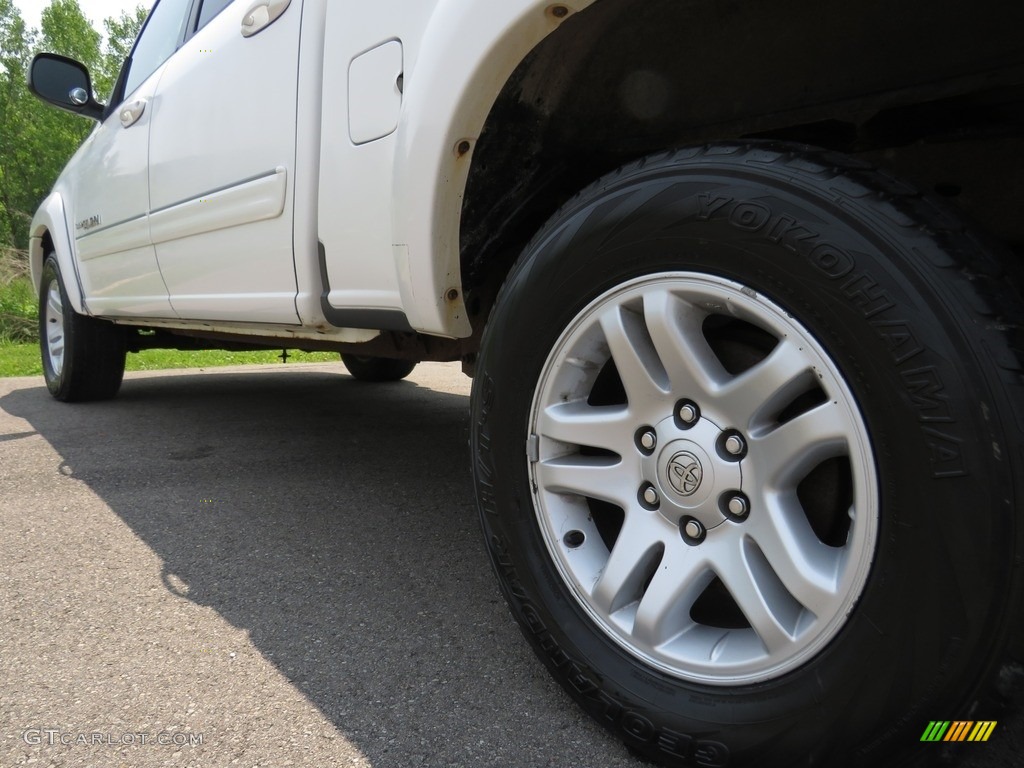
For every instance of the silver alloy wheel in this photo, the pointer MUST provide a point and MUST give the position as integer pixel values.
(734, 549)
(54, 332)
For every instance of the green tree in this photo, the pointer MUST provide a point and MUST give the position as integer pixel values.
(65, 30)
(51, 136)
(36, 141)
(121, 33)
(15, 44)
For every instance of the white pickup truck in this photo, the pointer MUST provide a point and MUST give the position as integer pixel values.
(737, 282)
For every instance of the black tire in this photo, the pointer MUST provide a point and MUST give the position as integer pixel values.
(83, 357)
(915, 317)
(377, 368)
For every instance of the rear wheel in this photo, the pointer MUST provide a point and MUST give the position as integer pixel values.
(83, 357)
(377, 368)
(731, 411)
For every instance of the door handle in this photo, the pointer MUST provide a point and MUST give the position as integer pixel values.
(131, 112)
(261, 15)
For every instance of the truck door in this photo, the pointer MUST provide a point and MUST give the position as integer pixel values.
(222, 163)
(110, 186)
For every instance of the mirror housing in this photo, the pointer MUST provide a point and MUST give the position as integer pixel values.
(63, 83)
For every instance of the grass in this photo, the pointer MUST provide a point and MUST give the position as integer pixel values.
(157, 359)
(19, 349)
(20, 360)
(17, 311)
(24, 360)
(17, 298)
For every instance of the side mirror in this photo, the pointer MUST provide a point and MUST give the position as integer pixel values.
(64, 83)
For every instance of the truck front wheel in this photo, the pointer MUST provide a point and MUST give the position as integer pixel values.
(83, 357)
(746, 455)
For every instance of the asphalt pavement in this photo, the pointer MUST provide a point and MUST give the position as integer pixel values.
(268, 566)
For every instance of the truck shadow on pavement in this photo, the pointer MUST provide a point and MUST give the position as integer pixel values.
(334, 522)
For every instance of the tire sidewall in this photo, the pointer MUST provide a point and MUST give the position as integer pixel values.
(858, 281)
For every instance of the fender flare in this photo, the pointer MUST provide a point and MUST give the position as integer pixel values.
(469, 50)
(51, 220)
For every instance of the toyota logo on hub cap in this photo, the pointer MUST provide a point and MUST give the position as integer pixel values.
(685, 473)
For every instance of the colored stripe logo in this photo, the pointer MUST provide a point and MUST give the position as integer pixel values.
(958, 730)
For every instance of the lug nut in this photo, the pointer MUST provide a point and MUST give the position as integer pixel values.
(687, 414)
(735, 445)
(648, 496)
(731, 445)
(692, 531)
(739, 506)
(734, 505)
(648, 440)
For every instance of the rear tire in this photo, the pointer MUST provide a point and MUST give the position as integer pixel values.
(818, 590)
(83, 357)
(377, 368)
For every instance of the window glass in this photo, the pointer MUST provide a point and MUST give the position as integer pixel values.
(158, 41)
(210, 9)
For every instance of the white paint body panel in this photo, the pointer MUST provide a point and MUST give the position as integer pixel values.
(354, 201)
(224, 117)
(264, 149)
(470, 49)
(51, 220)
(457, 56)
(117, 263)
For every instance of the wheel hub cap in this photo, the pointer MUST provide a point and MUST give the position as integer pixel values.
(685, 473)
(688, 474)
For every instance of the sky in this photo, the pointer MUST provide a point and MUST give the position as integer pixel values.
(95, 10)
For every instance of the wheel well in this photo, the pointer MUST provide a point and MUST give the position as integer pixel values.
(37, 259)
(940, 100)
